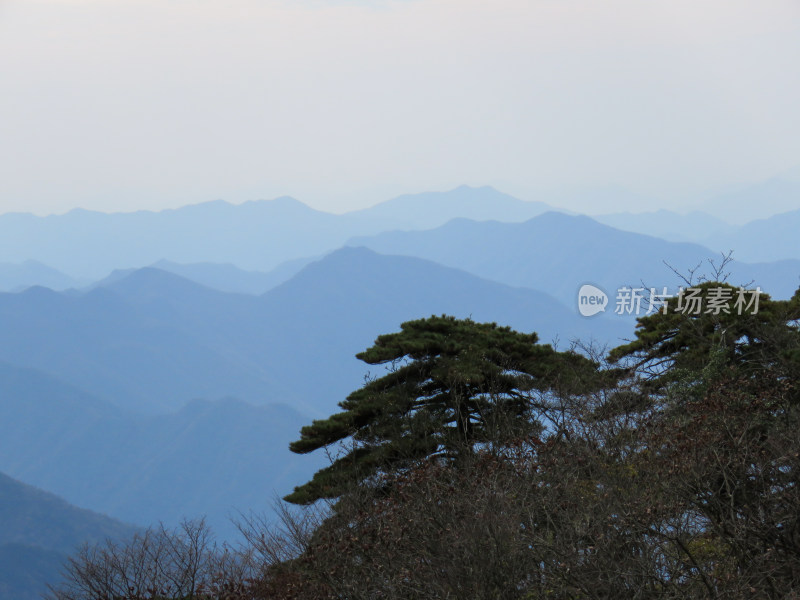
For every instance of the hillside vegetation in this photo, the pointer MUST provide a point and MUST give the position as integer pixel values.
(485, 464)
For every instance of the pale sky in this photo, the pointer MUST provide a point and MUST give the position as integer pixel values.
(147, 104)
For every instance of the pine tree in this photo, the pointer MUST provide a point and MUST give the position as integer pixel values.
(451, 384)
(679, 343)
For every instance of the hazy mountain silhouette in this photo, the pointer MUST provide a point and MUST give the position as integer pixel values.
(34, 517)
(695, 226)
(432, 209)
(151, 340)
(134, 354)
(38, 530)
(174, 390)
(757, 201)
(208, 458)
(285, 271)
(334, 308)
(255, 236)
(258, 236)
(222, 277)
(600, 195)
(337, 306)
(764, 240)
(558, 253)
(16, 277)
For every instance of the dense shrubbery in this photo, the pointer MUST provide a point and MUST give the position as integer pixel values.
(674, 474)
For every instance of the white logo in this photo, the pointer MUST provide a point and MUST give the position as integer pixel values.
(591, 300)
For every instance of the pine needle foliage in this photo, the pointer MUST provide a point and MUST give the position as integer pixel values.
(452, 384)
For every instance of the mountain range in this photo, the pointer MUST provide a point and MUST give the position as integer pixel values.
(255, 236)
(151, 397)
(152, 341)
(39, 532)
(19, 276)
(157, 365)
(252, 247)
(558, 253)
(210, 458)
(773, 196)
(693, 227)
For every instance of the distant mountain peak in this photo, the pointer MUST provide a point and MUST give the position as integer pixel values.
(39, 291)
(346, 257)
(152, 279)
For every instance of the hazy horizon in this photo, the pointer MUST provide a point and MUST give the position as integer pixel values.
(565, 200)
(123, 105)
